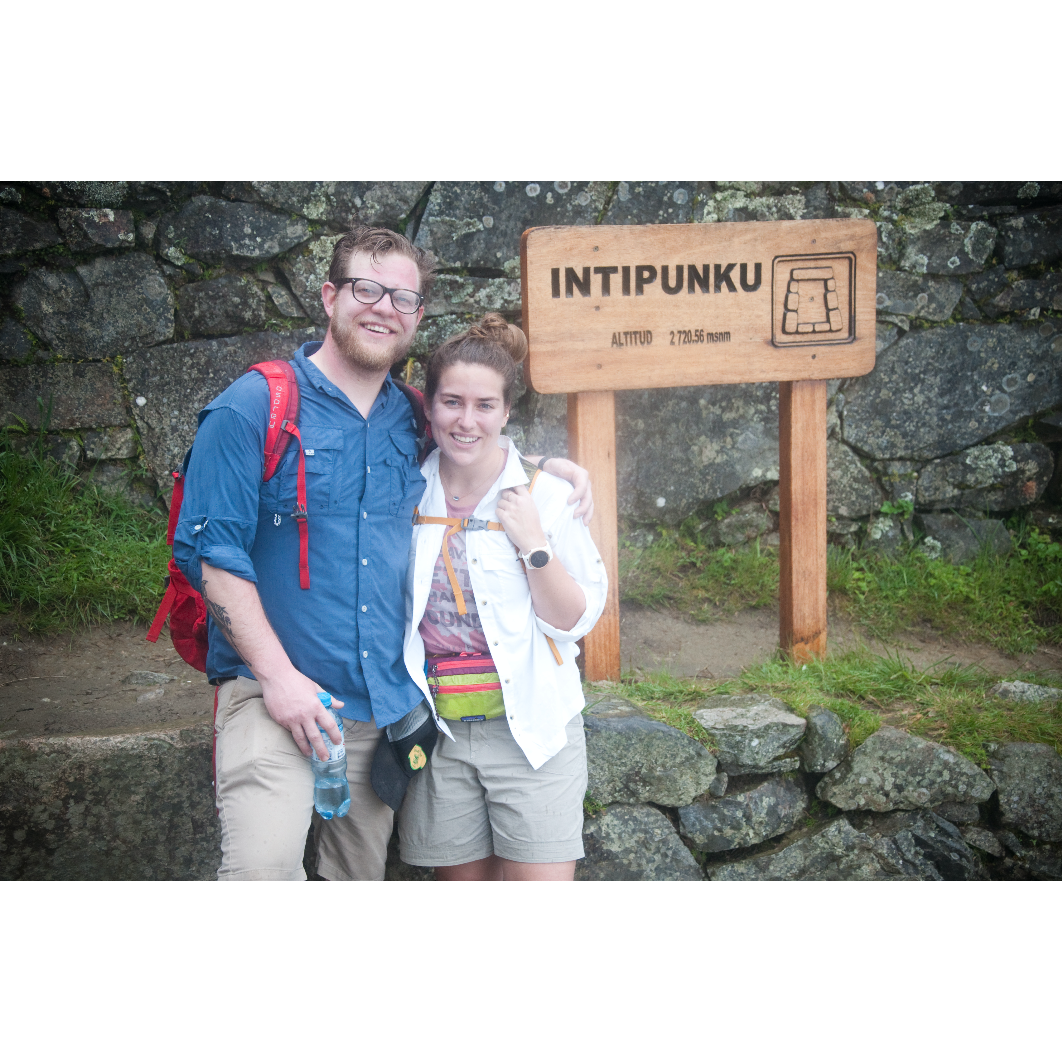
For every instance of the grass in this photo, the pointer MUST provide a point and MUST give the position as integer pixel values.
(1012, 602)
(72, 554)
(944, 703)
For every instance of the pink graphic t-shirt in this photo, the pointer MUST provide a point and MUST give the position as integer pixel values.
(445, 631)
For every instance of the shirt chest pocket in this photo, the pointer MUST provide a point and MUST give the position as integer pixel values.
(321, 451)
(405, 484)
(497, 554)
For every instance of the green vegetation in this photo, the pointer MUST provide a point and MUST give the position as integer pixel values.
(944, 703)
(70, 553)
(1012, 602)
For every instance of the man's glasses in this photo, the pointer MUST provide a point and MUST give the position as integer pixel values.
(370, 293)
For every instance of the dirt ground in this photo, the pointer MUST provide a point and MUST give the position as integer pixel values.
(87, 683)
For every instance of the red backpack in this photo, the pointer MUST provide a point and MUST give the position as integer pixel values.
(182, 602)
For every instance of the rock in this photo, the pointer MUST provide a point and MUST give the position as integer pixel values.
(950, 248)
(749, 522)
(84, 193)
(19, 232)
(981, 838)
(453, 294)
(850, 488)
(651, 203)
(959, 539)
(689, 444)
(1029, 778)
(632, 759)
(221, 306)
(60, 448)
(1045, 291)
(105, 307)
(1032, 238)
(307, 272)
(750, 201)
(539, 423)
(177, 381)
(884, 534)
(15, 341)
(433, 330)
(912, 847)
(957, 813)
(1025, 692)
(930, 298)
(10, 195)
(895, 770)
(213, 230)
(995, 477)
(744, 816)
(285, 302)
(886, 335)
(131, 807)
(82, 395)
(943, 389)
(1044, 862)
(337, 203)
(633, 842)
(478, 224)
(118, 444)
(148, 678)
(825, 742)
(987, 284)
(719, 784)
(781, 766)
(85, 229)
(749, 729)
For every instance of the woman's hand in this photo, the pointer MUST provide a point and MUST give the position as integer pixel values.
(518, 515)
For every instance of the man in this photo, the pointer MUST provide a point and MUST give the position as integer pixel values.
(273, 645)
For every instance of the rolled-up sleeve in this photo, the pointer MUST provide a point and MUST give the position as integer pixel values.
(219, 513)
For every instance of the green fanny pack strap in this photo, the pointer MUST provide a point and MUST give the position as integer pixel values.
(465, 687)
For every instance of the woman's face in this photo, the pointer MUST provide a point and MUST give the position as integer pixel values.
(467, 413)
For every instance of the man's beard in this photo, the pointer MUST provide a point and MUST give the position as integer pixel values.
(371, 359)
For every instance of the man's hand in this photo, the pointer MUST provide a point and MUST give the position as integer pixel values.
(579, 478)
(291, 700)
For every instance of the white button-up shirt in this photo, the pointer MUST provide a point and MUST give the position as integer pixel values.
(540, 697)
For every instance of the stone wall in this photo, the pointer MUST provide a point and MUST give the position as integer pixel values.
(125, 306)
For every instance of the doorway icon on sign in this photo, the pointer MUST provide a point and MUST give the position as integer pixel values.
(813, 300)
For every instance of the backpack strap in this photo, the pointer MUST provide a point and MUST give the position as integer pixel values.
(281, 427)
(425, 442)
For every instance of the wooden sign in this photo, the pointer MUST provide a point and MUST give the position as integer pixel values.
(610, 308)
(619, 307)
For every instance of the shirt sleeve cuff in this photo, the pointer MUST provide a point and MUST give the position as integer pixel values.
(595, 605)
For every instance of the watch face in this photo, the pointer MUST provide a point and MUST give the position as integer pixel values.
(538, 559)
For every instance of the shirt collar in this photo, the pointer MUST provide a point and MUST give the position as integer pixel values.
(318, 379)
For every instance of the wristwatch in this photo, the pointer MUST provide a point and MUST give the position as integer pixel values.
(537, 558)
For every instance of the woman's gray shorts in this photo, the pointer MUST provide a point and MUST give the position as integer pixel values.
(480, 797)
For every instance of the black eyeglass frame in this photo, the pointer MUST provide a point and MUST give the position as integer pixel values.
(386, 291)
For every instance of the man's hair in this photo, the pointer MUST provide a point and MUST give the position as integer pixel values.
(378, 243)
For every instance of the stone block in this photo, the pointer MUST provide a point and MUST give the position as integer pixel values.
(978, 837)
(884, 534)
(1043, 291)
(103, 227)
(1029, 778)
(893, 770)
(118, 444)
(306, 273)
(133, 807)
(749, 729)
(1032, 238)
(634, 842)
(1025, 692)
(337, 203)
(478, 224)
(19, 232)
(215, 230)
(15, 341)
(959, 539)
(943, 389)
(987, 284)
(652, 203)
(996, 477)
(177, 381)
(750, 201)
(221, 306)
(749, 813)
(81, 396)
(749, 522)
(633, 759)
(825, 742)
(686, 445)
(850, 489)
(455, 294)
(105, 307)
(950, 248)
(285, 302)
(928, 297)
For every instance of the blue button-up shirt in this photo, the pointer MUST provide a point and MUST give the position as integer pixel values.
(362, 484)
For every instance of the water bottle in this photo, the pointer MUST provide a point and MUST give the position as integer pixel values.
(331, 793)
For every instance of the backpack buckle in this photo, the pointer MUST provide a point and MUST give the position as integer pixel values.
(299, 512)
(474, 523)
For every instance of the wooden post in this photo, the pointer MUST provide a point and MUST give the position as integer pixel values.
(802, 513)
(592, 444)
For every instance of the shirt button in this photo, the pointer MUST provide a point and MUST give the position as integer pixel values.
(364, 561)
(365, 516)
(365, 652)
(495, 643)
(506, 681)
(364, 608)
(368, 468)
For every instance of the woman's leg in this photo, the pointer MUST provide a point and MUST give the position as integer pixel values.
(489, 869)
(513, 871)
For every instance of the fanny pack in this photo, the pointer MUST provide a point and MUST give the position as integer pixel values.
(465, 687)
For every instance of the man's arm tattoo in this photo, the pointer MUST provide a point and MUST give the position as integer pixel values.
(220, 615)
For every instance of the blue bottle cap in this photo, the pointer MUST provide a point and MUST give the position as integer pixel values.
(325, 699)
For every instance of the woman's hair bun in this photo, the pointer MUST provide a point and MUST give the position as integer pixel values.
(493, 328)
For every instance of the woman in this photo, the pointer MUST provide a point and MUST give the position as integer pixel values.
(494, 609)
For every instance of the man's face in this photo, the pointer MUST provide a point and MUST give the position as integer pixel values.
(373, 337)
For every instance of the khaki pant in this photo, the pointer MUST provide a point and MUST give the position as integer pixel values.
(264, 797)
